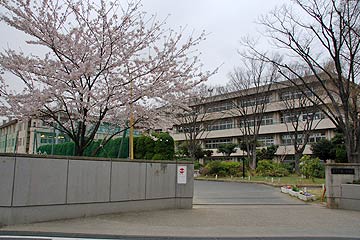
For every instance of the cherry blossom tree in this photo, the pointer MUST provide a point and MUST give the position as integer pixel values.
(102, 59)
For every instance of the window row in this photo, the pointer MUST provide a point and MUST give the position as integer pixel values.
(294, 117)
(268, 140)
(296, 94)
(214, 143)
(289, 139)
(221, 125)
(219, 107)
(250, 122)
(262, 98)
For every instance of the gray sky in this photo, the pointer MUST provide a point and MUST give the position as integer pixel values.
(226, 21)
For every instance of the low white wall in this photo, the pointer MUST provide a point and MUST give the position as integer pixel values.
(35, 188)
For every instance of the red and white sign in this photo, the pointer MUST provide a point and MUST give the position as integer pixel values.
(181, 174)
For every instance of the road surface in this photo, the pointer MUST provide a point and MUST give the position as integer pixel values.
(231, 193)
(221, 211)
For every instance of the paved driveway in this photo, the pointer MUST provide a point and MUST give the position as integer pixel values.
(225, 193)
(222, 210)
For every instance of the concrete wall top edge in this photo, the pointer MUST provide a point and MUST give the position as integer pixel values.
(92, 158)
(342, 164)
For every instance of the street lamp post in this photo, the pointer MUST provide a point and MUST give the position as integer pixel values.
(243, 158)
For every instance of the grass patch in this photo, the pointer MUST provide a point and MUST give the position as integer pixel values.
(289, 180)
(318, 192)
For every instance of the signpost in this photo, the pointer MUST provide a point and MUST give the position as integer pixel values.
(181, 174)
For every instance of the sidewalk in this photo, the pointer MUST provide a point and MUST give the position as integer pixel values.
(214, 221)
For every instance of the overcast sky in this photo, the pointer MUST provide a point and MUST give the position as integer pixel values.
(226, 21)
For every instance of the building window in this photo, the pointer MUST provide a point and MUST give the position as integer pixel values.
(46, 138)
(266, 140)
(295, 117)
(313, 116)
(219, 107)
(214, 143)
(255, 101)
(250, 122)
(289, 117)
(289, 139)
(267, 120)
(316, 137)
(221, 125)
(295, 94)
(187, 129)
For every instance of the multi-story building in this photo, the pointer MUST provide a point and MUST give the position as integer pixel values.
(26, 136)
(224, 124)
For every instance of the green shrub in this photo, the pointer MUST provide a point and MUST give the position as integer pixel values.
(311, 167)
(266, 153)
(223, 169)
(159, 156)
(271, 169)
(197, 165)
(290, 167)
(227, 148)
(164, 145)
(331, 149)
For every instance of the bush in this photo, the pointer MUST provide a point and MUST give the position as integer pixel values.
(333, 149)
(164, 146)
(159, 156)
(271, 169)
(266, 153)
(197, 165)
(312, 167)
(223, 169)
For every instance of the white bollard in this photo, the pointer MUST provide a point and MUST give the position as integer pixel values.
(272, 180)
(249, 178)
(323, 187)
(216, 176)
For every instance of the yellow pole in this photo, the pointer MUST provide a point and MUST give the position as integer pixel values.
(131, 121)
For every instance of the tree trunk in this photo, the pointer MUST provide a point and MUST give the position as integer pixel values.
(191, 150)
(297, 157)
(79, 150)
(253, 159)
(352, 154)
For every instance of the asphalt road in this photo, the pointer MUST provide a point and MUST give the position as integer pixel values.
(231, 193)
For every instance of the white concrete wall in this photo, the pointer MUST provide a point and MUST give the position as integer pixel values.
(34, 188)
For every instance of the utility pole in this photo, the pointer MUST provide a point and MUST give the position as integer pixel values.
(131, 122)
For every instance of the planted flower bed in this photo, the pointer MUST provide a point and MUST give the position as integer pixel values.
(296, 192)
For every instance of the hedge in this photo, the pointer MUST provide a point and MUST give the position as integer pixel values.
(159, 146)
